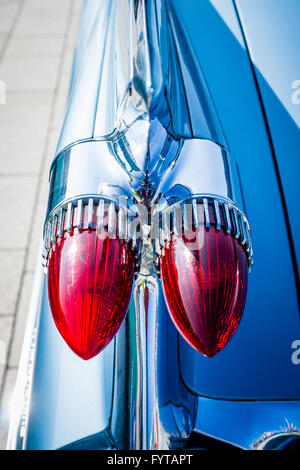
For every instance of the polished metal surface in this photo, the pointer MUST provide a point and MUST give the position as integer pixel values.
(155, 408)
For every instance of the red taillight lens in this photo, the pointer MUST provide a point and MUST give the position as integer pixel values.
(89, 286)
(205, 282)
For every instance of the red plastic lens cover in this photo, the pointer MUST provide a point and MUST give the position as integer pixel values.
(204, 276)
(89, 286)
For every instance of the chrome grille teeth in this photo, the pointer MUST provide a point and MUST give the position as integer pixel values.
(121, 224)
(53, 229)
(247, 244)
(69, 221)
(90, 213)
(60, 223)
(206, 213)
(79, 217)
(155, 227)
(177, 220)
(133, 241)
(242, 227)
(62, 219)
(100, 215)
(250, 248)
(122, 219)
(161, 234)
(111, 218)
(187, 217)
(227, 218)
(195, 213)
(236, 224)
(166, 223)
(47, 236)
(134, 224)
(217, 214)
(233, 221)
(130, 228)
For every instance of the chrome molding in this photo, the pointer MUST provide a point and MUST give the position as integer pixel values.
(211, 211)
(146, 414)
(90, 212)
(132, 223)
(21, 397)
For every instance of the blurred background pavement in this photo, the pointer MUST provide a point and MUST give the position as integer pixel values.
(37, 39)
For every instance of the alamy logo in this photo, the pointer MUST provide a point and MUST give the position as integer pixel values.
(296, 93)
(296, 353)
(2, 92)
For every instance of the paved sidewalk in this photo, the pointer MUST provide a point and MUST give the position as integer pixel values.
(37, 40)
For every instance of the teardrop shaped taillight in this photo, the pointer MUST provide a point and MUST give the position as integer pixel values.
(204, 276)
(89, 286)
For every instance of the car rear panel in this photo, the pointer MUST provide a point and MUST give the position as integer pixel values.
(257, 363)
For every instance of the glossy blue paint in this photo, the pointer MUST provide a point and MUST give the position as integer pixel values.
(66, 390)
(244, 423)
(273, 38)
(257, 362)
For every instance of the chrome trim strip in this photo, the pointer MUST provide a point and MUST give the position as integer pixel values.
(60, 223)
(21, 398)
(230, 212)
(217, 212)
(195, 213)
(130, 223)
(236, 223)
(187, 217)
(79, 217)
(100, 214)
(90, 213)
(177, 228)
(166, 219)
(111, 218)
(122, 219)
(70, 217)
(243, 233)
(53, 229)
(227, 217)
(206, 213)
